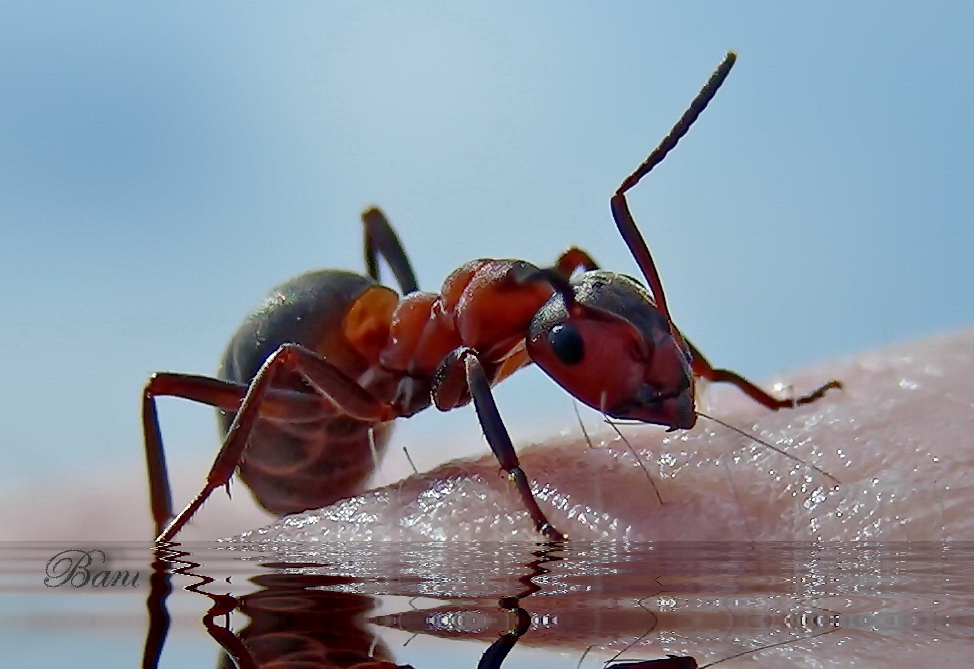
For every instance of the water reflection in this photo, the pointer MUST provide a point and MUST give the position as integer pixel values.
(625, 606)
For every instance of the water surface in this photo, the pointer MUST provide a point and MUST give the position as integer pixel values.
(488, 604)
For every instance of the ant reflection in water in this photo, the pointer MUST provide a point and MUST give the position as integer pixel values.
(301, 620)
(296, 619)
(668, 662)
(306, 617)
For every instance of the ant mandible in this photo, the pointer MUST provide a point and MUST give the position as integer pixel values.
(312, 381)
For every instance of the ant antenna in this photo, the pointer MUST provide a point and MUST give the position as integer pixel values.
(834, 628)
(639, 603)
(764, 443)
(639, 460)
(620, 210)
(582, 658)
(581, 425)
(410, 460)
(682, 126)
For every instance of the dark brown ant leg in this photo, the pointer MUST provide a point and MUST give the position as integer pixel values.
(494, 656)
(702, 368)
(381, 239)
(160, 587)
(572, 259)
(326, 380)
(222, 394)
(497, 652)
(500, 442)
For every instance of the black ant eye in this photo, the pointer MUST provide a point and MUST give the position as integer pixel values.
(566, 343)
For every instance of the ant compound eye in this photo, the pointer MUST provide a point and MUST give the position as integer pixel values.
(566, 343)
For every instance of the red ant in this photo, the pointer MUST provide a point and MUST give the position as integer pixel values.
(311, 382)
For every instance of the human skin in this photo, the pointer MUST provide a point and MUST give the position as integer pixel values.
(897, 438)
(904, 419)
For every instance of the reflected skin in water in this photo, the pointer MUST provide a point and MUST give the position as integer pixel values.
(895, 438)
(299, 620)
(306, 618)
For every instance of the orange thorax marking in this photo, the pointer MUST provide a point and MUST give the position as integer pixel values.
(484, 305)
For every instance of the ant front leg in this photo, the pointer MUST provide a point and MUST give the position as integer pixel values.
(702, 368)
(328, 384)
(381, 239)
(465, 361)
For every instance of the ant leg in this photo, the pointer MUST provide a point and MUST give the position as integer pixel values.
(381, 239)
(572, 259)
(222, 394)
(160, 587)
(493, 657)
(327, 382)
(500, 440)
(702, 368)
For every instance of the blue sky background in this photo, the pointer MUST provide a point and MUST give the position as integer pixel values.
(161, 168)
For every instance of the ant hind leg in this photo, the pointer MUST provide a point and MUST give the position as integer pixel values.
(573, 259)
(382, 240)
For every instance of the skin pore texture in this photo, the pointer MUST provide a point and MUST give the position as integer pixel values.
(897, 438)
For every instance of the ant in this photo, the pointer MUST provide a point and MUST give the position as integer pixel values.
(312, 381)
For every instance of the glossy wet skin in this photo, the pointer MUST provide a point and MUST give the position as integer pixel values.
(897, 438)
(904, 421)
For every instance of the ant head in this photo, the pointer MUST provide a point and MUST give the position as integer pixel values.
(601, 338)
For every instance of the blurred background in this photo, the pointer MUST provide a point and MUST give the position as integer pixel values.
(161, 168)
